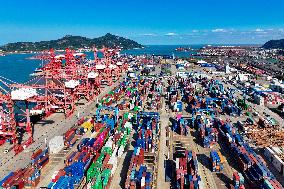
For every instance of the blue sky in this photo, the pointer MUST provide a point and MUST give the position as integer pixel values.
(146, 21)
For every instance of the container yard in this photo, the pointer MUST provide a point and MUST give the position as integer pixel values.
(144, 122)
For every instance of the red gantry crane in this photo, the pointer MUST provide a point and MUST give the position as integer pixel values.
(61, 82)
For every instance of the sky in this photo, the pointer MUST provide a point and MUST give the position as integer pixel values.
(149, 22)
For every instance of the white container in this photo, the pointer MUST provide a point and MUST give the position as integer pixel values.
(109, 143)
(72, 84)
(177, 163)
(114, 152)
(138, 151)
(92, 75)
(100, 66)
(54, 174)
(112, 66)
(128, 124)
(36, 112)
(143, 182)
(120, 152)
(119, 63)
(229, 137)
(277, 150)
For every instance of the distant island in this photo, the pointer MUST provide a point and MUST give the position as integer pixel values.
(73, 42)
(274, 44)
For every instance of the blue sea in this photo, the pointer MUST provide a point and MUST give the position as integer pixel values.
(17, 67)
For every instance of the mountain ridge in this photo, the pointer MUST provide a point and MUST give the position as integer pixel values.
(73, 42)
(274, 44)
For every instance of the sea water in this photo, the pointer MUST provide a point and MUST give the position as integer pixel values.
(18, 68)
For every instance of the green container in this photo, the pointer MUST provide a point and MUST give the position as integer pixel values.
(107, 150)
(98, 183)
(125, 116)
(136, 108)
(268, 184)
(106, 175)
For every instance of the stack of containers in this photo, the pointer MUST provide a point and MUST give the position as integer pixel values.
(102, 168)
(148, 127)
(40, 158)
(217, 161)
(238, 181)
(104, 164)
(271, 184)
(57, 174)
(138, 176)
(77, 163)
(187, 171)
(252, 166)
(88, 125)
(124, 139)
(148, 131)
(70, 138)
(6, 178)
(178, 106)
(31, 177)
(211, 137)
(180, 126)
(14, 180)
(74, 175)
(207, 133)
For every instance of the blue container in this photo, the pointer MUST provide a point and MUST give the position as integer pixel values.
(82, 144)
(50, 185)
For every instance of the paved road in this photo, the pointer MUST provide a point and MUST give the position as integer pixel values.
(163, 150)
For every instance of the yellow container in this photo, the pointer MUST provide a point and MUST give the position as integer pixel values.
(87, 125)
(222, 159)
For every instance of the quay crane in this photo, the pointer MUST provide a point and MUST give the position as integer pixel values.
(63, 81)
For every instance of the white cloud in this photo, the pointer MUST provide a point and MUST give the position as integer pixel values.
(148, 34)
(219, 30)
(171, 34)
(259, 30)
(195, 31)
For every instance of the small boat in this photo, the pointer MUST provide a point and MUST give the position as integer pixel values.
(183, 49)
(37, 72)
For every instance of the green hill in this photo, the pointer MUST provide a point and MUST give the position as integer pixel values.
(73, 42)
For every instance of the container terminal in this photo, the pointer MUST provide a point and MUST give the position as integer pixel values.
(125, 121)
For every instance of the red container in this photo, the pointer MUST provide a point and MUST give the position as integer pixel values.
(17, 175)
(75, 159)
(36, 154)
(253, 159)
(107, 157)
(236, 176)
(60, 173)
(86, 158)
(35, 182)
